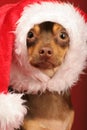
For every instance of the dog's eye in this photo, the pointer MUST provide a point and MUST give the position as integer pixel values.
(63, 35)
(31, 38)
(30, 34)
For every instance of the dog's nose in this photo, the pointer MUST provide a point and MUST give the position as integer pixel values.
(45, 51)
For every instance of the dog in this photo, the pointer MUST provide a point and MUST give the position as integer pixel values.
(47, 44)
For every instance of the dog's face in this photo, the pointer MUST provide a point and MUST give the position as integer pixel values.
(47, 45)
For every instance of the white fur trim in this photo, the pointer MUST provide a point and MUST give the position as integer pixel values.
(11, 111)
(74, 63)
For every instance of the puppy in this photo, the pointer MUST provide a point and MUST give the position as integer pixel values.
(47, 45)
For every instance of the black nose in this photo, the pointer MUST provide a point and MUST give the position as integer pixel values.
(45, 51)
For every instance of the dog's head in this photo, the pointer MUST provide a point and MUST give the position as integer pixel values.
(47, 45)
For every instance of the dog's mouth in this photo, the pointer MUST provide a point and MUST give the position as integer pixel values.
(45, 65)
(49, 66)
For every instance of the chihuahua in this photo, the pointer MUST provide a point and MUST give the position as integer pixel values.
(47, 45)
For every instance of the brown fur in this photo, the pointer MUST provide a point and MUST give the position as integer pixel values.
(47, 48)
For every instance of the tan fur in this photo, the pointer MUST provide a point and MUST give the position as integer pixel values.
(47, 51)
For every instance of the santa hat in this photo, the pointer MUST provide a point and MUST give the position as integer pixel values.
(15, 22)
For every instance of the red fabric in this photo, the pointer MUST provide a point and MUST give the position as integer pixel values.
(79, 95)
(8, 18)
(5, 52)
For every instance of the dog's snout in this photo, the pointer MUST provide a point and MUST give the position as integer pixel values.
(45, 51)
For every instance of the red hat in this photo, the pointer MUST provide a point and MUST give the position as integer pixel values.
(15, 22)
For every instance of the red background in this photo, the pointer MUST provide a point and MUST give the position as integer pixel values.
(79, 96)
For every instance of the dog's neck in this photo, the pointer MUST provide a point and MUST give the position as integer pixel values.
(50, 72)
